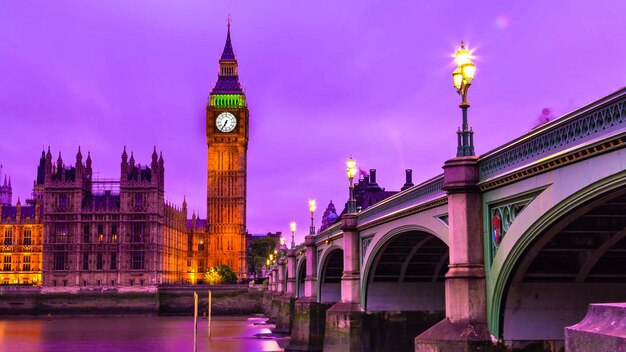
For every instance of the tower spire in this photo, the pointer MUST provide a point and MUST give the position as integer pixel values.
(228, 75)
(228, 54)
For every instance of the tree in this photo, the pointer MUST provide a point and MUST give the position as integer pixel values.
(221, 274)
(258, 251)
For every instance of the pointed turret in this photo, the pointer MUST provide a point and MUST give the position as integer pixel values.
(88, 161)
(59, 166)
(154, 155)
(18, 210)
(59, 161)
(41, 168)
(79, 161)
(124, 165)
(48, 166)
(132, 159)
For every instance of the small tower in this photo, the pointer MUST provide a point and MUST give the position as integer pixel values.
(330, 216)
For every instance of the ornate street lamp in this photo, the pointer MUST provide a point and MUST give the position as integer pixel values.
(292, 227)
(351, 172)
(312, 208)
(462, 78)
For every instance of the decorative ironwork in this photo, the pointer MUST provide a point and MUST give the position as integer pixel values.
(582, 125)
(501, 218)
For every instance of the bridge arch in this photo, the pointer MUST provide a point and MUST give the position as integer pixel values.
(300, 275)
(413, 252)
(329, 274)
(557, 258)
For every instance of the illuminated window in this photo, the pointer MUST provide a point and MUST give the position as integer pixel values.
(114, 233)
(201, 246)
(8, 236)
(61, 232)
(7, 262)
(28, 237)
(26, 264)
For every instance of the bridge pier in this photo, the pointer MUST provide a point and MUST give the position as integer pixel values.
(345, 320)
(285, 300)
(270, 306)
(309, 315)
(465, 326)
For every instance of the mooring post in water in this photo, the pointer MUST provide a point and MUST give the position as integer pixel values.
(195, 322)
(209, 314)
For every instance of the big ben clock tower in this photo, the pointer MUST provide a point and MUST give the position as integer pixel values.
(227, 141)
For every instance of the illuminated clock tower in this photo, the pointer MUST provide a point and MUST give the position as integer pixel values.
(227, 141)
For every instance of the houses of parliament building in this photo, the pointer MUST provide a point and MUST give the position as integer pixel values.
(79, 231)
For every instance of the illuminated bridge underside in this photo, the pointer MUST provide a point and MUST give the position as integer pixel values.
(580, 260)
(409, 274)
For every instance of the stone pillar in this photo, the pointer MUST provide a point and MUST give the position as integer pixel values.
(280, 287)
(291, 272)
(270, 278)
(465, 326)
(309, 315)
(345, 330)
(310, 281)
(274, 278)
(285, 302)
(351, 279)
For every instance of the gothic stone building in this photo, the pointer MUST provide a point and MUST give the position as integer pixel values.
(21, 232)
(115, 233)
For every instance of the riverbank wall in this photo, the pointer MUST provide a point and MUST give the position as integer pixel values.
(166, 300)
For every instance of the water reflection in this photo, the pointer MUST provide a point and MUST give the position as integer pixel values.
(134, 333)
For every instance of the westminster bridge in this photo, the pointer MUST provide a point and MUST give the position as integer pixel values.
(511, 245)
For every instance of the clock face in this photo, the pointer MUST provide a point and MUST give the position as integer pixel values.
(226, 122)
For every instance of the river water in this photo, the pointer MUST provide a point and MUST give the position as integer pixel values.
(135, 333)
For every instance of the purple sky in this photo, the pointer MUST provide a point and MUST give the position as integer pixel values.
(323, 79)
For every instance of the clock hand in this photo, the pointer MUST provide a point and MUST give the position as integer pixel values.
(224, 125)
